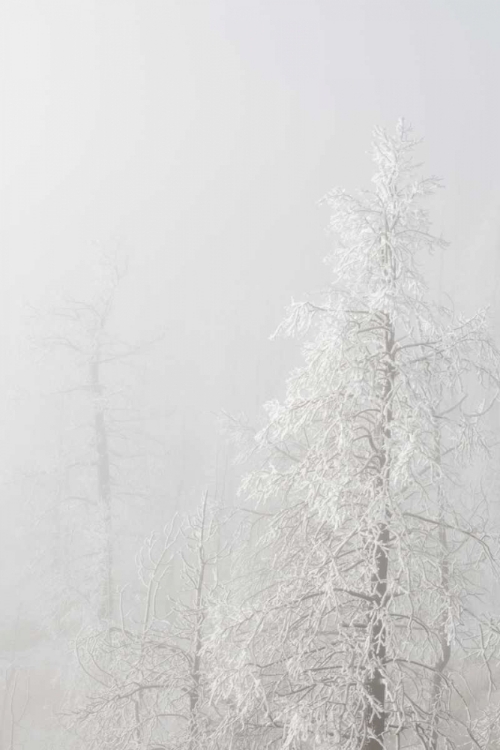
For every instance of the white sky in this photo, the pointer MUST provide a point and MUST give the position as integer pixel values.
(202, 134)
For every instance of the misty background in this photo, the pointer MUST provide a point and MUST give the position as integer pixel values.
(198, 138)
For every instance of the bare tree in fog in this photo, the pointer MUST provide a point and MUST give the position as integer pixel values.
(368, 545)
(81, 329)
(88, 498)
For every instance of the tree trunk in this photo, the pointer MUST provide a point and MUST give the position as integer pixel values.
(438, 678)
(103, 488)
(375, 716)
(194, 693)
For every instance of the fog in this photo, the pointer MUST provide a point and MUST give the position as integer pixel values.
(194, 140)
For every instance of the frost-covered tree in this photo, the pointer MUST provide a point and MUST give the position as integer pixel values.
(370, 540)
(151, 687)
